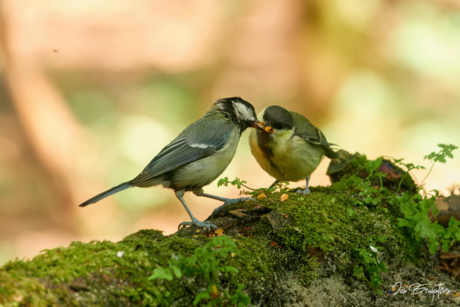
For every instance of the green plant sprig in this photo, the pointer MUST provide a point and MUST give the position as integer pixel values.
(445, 152)
(373, 267)
(414, 214)
(254, 192)
(239, 183)
(409, 167)
(372, 169)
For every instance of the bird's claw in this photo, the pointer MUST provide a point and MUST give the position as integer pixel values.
(304, 192)
(205, 224)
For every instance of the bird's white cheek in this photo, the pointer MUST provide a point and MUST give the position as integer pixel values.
(281, 136)
(243, 112)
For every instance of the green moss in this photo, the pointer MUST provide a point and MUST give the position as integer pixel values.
(100, 263)
(15, 288)
(320, 226)
(252, 260)
(328, 232)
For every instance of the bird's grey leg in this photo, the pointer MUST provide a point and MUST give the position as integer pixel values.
(273, 184)
(306, 191)
(227, 201)
(208, 225)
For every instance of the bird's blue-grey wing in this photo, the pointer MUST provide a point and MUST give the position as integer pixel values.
(191, 145)
(312, 135)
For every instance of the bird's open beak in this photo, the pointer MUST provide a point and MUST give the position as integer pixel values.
(268, 128)
(258, 125)
(262, 126)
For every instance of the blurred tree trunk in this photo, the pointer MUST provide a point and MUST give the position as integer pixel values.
(53, 133)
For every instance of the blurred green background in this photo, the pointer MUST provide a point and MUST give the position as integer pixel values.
(90, 91)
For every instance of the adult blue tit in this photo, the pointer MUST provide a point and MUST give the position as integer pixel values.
(290, 148)
(197, 156)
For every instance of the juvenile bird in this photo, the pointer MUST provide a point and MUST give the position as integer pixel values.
(290, 148)
(197, 156)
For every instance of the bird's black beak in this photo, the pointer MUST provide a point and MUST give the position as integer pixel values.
(258, 125)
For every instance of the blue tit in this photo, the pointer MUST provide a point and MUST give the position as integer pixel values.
(197, 156)
(290, 148)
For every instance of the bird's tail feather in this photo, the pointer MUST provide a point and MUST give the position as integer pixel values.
(98, 197)
(331, 154)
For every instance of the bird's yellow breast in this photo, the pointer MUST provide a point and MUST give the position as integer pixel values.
(285, 156)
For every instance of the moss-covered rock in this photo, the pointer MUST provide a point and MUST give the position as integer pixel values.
(395, 179)
(334, 247)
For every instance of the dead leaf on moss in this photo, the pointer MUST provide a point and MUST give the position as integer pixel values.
(219, 232)
(79, 284)
(214, 293)
(284, 197)
(238, 213)
(261, 196)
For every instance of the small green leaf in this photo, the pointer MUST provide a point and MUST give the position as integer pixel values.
(403, 222)
(177, 272)
(358, 271)
(383, 267)
(445, 245)
(240, 298)
(453, 222)
(230, 269)
(351, 212)
(377, 163)
(433, 247)
(162, 273)
(426, 228)
(222, 181)
(200, 296)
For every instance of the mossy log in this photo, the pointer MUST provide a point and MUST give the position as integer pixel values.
(302, 251)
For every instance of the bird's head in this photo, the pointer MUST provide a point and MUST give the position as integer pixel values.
(277, 120)
(240, 112)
